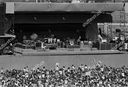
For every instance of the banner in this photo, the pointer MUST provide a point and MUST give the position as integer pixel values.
(9, 8)
(126, 7)
(68, 7)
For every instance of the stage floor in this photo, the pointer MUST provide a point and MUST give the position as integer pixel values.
(65, 51)
(106, 57)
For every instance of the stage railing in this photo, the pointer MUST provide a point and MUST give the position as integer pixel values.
(86, 1)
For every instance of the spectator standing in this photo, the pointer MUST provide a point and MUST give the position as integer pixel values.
(75, 1)
(83, 1)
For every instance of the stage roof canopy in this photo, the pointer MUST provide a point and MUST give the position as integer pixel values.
(65, 7)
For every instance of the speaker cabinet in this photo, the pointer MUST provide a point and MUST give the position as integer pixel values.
(2, 17)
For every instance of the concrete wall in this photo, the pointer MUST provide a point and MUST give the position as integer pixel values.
(67, 60)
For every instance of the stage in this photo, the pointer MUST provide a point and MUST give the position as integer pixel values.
(27, 16)
(65, 51)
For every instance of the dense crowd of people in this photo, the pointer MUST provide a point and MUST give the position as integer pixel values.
(60, 1)
(81, 76)
(68, 1)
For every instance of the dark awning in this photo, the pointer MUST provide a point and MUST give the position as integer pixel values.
(58, 17)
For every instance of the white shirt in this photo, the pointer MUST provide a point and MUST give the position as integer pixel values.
(115, 38)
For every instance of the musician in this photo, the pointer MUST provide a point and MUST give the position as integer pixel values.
(69, 41)
(24, 39)
(79, 40)
(122, 38)
(126, 44)
(100, 36)
(116, 38)
(72, 42)
(34, 38)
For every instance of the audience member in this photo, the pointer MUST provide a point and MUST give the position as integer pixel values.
(82, 76)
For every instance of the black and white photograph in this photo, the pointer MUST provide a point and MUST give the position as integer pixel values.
(63, 43)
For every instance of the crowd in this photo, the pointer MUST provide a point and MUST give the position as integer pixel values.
(70, 1)
(63, 1)
(59, 1)
(81, 76)
(66, 1)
